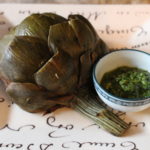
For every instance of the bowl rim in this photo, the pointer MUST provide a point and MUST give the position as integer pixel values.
(111, 95)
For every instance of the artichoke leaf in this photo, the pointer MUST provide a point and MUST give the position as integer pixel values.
(5, 41)
(33, 98)
(27, 95)
(59, 74)
(24, 56)
(37, 25)
(88, 59)
(84, 33)
(80, 17)
(62, 37)
(55, 18)
(100, 50)
(85, 68)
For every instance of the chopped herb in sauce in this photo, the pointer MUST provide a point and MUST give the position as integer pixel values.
(127, 82)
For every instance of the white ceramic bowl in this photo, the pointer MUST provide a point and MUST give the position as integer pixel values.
(113, 60)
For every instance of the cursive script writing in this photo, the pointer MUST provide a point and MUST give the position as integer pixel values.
(79, 145)
(30, 146)
(51, 122)
(139, 30)
(18, 129)
(129, 144)
(125, 145)
(135, 46)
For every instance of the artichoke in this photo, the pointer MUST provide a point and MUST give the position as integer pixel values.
(46, 62)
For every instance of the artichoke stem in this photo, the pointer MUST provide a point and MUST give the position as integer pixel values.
(90, 106)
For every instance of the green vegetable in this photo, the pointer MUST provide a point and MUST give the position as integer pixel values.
(46, 62)
(127, 82)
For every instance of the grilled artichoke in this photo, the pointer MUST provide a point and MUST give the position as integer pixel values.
(46, 61)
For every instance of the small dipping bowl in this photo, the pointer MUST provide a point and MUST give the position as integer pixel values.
(113, 60)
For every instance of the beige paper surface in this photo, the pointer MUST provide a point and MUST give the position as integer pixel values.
(119, 26)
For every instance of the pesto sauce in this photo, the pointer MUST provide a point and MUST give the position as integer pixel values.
(127, 82)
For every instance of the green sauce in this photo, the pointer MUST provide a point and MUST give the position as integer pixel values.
(127, 82)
